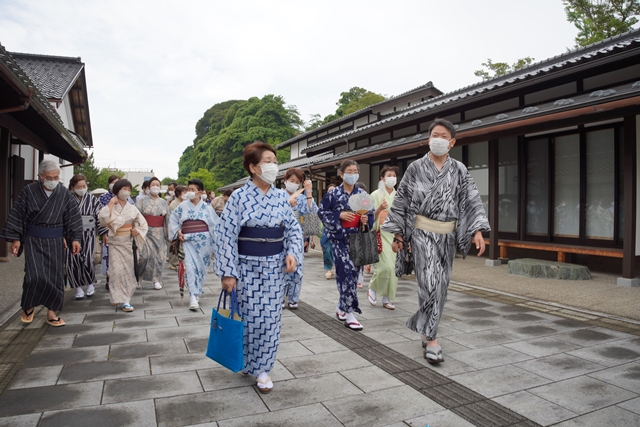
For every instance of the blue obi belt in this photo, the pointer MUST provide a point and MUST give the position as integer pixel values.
(256, 241)
(44, 232)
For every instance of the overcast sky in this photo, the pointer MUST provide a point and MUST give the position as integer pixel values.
(154, 67)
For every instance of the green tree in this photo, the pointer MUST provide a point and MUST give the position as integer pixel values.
(207, 179)
(90, 171)
(600, 19)
(353, 100)
(167, 180)
(102, 180)
(497, 69)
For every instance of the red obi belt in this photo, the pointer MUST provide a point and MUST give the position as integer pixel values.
(194, 226)
(154, 220)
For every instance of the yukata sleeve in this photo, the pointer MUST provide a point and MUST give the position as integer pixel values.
(96, 206)
(329, 215)
(213, 222)
(167, 217)
(398, 220)
(293, 240)
(16, 222)
(72, 221)
(175, 222)
(471, 215)
(226, 241)
(302, 204)
(141, 225)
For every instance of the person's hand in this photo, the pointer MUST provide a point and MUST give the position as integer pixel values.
(14, 247)
(291, 263)
(308, 187)
(229, 283)
(135, 232)
(113, 201)
(398, 243)
(180, 236)
(364, 219)
(347, 216)
(293, 202)
(75, 247)
(105, 240)
(384, 205)
(64, 242)
(479, 241)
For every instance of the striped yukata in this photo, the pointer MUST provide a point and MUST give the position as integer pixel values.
(449, 194)
(260, 278)
(44, 257)
(81, 270)
(153, 253)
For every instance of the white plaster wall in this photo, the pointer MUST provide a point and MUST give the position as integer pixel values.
(64, 110)
(66, 173)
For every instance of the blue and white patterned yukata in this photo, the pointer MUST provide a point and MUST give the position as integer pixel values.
(197, 246)
(293, 281)
(332, 204)
(260, 278)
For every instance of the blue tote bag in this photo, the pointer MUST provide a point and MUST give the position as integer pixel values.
(226, 335)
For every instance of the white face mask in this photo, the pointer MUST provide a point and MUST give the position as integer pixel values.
(146, 191)
(172, 193)
(351, 178)
(124, 194)
(111, 186)
(191, 195)
(81, 192)
(203, 197)
(184, 197)
(390, 181)
(291, 187)
(155, 190)
(269, 172)
(439, 146)
(51, 185)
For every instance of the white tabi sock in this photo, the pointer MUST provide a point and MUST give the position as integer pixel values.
(79, 292)
(351, 318)
(385, 300)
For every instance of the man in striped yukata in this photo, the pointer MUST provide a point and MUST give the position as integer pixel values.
(44, 219)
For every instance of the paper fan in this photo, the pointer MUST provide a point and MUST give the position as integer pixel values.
(361, 202)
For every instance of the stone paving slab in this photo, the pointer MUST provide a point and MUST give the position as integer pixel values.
(560, 366)
(500, 380)
(535, 408)
(311, 415)
(603, 417)
(36, 377)
(151, 387)
(30, 420)
(139, 414)
(66, 356)
(98, 339)
(110, 369)
(40, 399)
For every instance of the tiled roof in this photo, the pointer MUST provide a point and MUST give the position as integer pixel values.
(53, 75)
(303, 162)
(570, 59)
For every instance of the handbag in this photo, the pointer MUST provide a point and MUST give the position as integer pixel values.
(363, 248)
(226, 336)
(311, 225)
(404, 262)
(379, 241)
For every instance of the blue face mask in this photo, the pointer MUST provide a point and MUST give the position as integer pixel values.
(351, 178)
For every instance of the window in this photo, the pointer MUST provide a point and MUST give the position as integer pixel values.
(600, 206)
(566, 214)
(479, 170)
(508, 194)
(537, 202)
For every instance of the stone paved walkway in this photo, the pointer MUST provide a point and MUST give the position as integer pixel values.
(510, 361)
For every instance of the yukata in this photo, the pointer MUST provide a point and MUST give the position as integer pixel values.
(329, 211)
(293, 281)
(327, 255)
(260, 279)
(197, 246)
(173, 258)
(153, 253)
(42, 221)
(81, 270)
(120, 221)
(104, 265)
(384, 280)
(445, 195)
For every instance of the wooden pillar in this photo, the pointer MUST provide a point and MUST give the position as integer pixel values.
(494, 202)
(5, 189)
(630, 176)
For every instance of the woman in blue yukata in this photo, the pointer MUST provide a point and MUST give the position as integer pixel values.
(302, 203)
(340, 222)
(194, 222)
(258, 241)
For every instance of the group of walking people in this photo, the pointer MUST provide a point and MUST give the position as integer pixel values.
(256, 240)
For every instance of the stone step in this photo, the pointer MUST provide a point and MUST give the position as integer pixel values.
(537, 268)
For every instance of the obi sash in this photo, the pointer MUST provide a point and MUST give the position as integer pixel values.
(44, 232)
(154, 220)
(438, 227)
(88, 222)
(256, 241)
(194, 226)
(125, 230)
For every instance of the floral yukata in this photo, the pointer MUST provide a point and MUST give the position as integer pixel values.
(154, 251)
(260, 279)
(293, 281)
(197, 246)
(449, 194)
(329, 211)
(104, 266)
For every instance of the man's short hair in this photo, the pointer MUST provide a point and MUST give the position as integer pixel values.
(197, 182)
(47, 166)
(445, 123)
